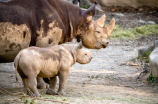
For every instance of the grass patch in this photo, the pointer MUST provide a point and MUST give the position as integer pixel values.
(85, 6)
(129, 100)
(151, 79)
(144, 57)
(128, 33)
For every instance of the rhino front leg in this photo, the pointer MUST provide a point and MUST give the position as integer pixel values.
(62, 80)
(51, 89)
(32, 84)
(41, 84)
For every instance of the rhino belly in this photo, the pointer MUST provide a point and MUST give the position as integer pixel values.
(13, 38)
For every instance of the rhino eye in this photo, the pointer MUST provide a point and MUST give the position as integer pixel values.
(97, 31)
(86, 54)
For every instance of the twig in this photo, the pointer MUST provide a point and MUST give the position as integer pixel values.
(129, 63)
(85, 97)
(50, 100)
(144, 71)
(33, 98)
(10, 92)
(138, 62)
(126, 86)
(3, 92)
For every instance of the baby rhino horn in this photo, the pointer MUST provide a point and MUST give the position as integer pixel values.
(101, 20)
(110, 27)
(79, 45)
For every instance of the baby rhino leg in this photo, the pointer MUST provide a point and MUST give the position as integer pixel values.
(62, 79)
(41, 84)
(32, 84)
(51, 89)
(25, 80)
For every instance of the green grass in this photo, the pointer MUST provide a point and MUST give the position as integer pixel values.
(144, 57)
(85, 6)
(151, 79)
(132, 33)
(129, 100)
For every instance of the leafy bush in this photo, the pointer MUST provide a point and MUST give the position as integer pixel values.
(85, 6)
(151, 79)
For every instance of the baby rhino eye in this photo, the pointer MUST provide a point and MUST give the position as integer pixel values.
(97, 31)
(85, 53)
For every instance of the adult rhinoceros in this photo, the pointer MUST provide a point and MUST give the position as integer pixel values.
(42, 23)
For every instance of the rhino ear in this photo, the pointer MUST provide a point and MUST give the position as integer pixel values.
(76, 2)
(79, 45)
(89, 13)
(101, 20)
(110, 26)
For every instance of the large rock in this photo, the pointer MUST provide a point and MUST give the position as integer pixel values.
(153, 60)
(124, 3)
(83, 3)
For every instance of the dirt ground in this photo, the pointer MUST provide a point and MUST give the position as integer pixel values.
(107, 79)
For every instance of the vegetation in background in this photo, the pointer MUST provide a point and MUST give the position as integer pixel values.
(144, 57)
(85, 6)
(151, 79)
(128, 33)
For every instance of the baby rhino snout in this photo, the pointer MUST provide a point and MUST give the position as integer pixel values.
(84, 56)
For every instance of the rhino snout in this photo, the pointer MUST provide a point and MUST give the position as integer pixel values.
(105, 44)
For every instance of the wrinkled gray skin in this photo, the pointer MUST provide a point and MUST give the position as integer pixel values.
(48, 63)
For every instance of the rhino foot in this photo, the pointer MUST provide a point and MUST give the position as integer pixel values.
(33, 94)
(51, 92)
(61, 93)
(42, 85)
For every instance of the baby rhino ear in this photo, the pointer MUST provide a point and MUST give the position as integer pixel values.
(79, 45)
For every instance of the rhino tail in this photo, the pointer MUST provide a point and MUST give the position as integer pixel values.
(16, 66)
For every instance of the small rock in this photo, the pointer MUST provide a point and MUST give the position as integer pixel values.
(144, 49)
(140, 9)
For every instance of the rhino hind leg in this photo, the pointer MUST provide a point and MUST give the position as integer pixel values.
(51, 89)
(25, 80)
(41, 84)
(32, 84)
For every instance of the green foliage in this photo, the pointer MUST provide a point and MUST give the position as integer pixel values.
(128, 33)
(151, 79)
(64, 99)
(26, 101)
(144, 57)
(85, 6)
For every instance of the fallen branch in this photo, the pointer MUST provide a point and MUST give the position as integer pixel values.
(144, 71)
(129, 64)
(33, 98)
(126, 86)
(10, 92)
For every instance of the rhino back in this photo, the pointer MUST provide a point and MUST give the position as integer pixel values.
(48, 60)
(25, 23)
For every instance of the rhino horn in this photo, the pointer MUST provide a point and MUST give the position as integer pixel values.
(101, 20)
(110, 27)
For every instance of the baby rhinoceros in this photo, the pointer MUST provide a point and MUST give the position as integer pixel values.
(49, 62)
